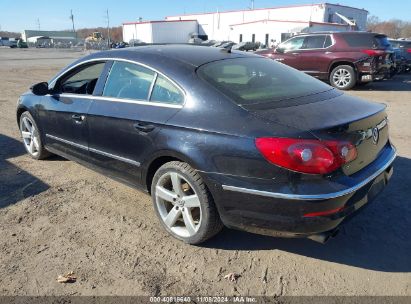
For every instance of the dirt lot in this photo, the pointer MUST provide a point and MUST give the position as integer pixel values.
(57, 216)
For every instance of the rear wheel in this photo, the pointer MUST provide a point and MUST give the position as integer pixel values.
(31, 137)
(343, 77)
(183, 203)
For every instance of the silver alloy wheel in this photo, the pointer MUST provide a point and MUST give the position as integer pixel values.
(342, 78)
(30, 136)
(178, 204)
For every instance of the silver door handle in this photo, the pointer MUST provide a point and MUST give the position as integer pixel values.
(78, 118)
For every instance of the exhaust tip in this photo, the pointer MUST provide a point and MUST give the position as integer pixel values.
(324, 237)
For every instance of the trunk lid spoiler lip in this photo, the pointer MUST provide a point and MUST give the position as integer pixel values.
(313, 132)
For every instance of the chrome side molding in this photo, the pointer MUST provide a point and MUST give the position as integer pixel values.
(120, 158)
(310, 197)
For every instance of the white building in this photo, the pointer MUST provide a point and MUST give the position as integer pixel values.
(263, 25)
(160, 31)
(275, 23)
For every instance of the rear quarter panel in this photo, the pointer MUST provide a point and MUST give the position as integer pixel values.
(215, 135)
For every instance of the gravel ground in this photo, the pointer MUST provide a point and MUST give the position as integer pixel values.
(57, 216)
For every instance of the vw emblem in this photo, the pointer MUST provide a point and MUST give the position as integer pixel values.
(375, 135)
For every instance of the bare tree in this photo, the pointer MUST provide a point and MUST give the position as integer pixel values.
(394, 28)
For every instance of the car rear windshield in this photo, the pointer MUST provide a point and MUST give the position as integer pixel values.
(366, 40)
(259, 80)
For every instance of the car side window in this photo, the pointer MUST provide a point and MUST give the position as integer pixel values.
(82, 81)
(328, 41)
(314, 42)
(129, 81)
(293, 44)
(166, 92)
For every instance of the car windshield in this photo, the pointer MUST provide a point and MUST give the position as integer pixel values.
(258, 80)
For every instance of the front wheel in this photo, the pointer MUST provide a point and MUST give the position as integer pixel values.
(183, 203)
(343, 77)
(31, 137)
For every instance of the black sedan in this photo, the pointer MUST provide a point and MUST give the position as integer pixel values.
(216, 137)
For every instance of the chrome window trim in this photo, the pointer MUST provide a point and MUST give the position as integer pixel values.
(153, 83)
(60, 74)
(126, 160)
(106, 59)
(134, 101)
(310, 197)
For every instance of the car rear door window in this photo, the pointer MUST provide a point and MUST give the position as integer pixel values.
(129, 81)
(166, 92)
(82, 81)
(314, 42)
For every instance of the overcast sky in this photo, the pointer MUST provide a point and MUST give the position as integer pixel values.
(16, 15)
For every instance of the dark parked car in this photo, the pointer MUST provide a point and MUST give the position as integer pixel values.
(342, 58)
(403, 48)
(246, 46)
(215, 137)
(400, 65)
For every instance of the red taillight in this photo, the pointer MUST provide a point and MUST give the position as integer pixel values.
(409, 50)
(306, 155)
(374, 52)
(323, 213)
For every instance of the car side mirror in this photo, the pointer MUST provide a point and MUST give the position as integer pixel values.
(40, 89)
(279, 50)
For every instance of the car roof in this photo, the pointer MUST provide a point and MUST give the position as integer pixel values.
(192, 55)
(341, 32)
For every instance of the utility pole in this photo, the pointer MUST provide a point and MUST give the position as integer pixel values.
(108, 29)
(252, 4)
(38, 23)
(72, 21)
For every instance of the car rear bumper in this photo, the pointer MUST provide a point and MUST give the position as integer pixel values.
(299, 214)
(375, 70)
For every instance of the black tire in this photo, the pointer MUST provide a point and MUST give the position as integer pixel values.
(343, 77)
(41, 152)
(210, 223)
